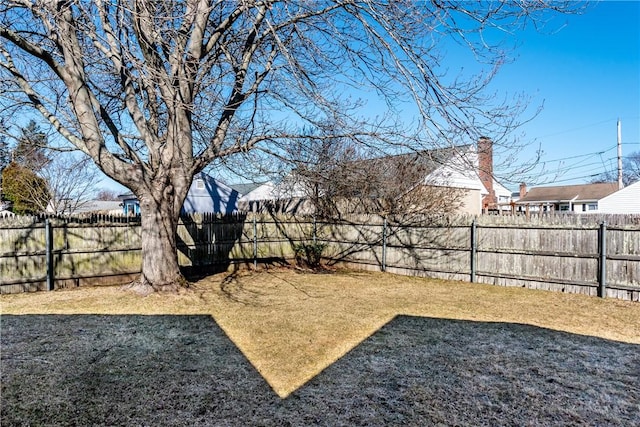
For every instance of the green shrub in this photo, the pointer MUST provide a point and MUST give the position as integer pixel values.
(309, 254)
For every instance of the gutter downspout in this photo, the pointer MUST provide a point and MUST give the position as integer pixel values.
(571, 203)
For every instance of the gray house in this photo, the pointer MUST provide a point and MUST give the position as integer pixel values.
(206, 194)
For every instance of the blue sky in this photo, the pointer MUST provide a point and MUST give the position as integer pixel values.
(586, 76)
(584, 70)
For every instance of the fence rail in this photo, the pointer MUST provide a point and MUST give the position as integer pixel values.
(570, 253)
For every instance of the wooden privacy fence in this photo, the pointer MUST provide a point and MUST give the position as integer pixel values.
(43, 253)
(568, 253)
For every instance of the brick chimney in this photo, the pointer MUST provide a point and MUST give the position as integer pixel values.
(485, 172)
(523, 189)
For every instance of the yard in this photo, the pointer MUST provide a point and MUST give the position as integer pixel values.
(283, 347)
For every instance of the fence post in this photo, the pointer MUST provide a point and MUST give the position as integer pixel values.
(473, 250)
(602, 260)
(255, 241)
(384, 244)
(315, 230)
(48, 232)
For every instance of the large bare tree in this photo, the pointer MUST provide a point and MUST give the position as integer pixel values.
(155, 90)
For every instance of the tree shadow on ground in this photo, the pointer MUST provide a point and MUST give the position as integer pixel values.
(184, 370)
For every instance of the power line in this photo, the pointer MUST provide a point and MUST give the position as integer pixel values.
(579, 128)
(575, 178)
(580, 155)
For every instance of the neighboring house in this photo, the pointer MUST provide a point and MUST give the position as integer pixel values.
(565, 198)
(5, 207)
(130, 204)
(625, 201)
(206, 194)
(78, 207)
(467, 169)
(283, 197)
(110, 207)
(470, 168)
(246, 188)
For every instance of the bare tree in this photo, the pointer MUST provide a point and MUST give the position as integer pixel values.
(630, 171)
(70, 181)
(338, 178)
(5, 153)
(31, 147)
(106, 195)
(155, 90)
(5, 159)
(631, 168)
(317, 169)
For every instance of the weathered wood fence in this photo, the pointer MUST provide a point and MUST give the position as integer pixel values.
(569, 253)
(43, 253)
(578, 254)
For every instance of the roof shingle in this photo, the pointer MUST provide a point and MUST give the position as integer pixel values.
(565, 193)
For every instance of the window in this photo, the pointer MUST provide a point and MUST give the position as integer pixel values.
(593, 206)
(200, 184)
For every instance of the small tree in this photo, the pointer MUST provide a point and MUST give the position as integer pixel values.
(340, 179)
(5, 159)
(315, 169)
(27, 191)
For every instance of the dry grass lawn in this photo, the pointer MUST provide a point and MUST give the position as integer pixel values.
(292, 325)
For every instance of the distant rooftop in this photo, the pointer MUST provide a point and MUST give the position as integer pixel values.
(565, 193)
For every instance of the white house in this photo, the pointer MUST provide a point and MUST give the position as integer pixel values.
(625, 201)
(468, 168)
(286, 196)
(566, 198)
(78, 207)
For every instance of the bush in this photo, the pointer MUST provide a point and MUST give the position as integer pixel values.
(309, 254)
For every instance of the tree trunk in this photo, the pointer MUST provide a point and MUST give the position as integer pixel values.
(160, 213)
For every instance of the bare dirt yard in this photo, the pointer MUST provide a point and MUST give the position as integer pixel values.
(281, 347)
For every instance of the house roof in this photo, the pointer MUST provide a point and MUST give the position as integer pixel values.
(98, 205)
(426, 161)
(413, 168)
(246, 188)
(566, 193)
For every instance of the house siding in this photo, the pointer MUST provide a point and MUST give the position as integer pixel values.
(471, 203)
(207, 194)
(625, 201)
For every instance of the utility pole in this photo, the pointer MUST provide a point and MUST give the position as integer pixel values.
(619, 155)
